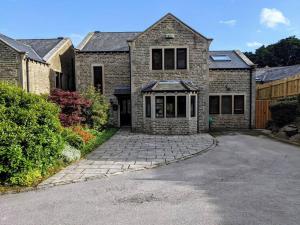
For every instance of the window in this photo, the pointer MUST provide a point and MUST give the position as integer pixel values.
(226, 104)
(164, 58)
(148, 106)
(214, 104)
(157, 59)
(181, 58)
(169, 59)
(193, 106)
(221, 58)
(159, 107)
(98, 78)
(58, 80)
(170, 106)
(181, 106)
(239, 104)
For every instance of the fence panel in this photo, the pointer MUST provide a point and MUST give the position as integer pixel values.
(280, 88)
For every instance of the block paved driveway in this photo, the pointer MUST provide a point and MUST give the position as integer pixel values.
(245, 180)
(127, 151)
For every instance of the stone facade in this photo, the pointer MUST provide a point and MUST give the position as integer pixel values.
(116, 72)
(141, 74)
(132, 68)
(62, 61)
(10, 64)
(39, 80)
(232, 82)
(17, 68)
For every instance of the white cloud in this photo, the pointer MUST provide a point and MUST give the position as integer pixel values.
(228, 22)
(76, 38)
(254, 44)
(272, 17)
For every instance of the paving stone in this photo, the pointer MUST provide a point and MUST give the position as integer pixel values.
(132, 151)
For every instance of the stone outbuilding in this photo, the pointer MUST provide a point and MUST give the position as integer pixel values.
(37, 65)
(165, 80)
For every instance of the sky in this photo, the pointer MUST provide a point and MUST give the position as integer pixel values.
(233, 24)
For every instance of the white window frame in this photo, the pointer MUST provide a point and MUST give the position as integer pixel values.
(153, 105)
(175, 57)
(92, 73)
(232, 104)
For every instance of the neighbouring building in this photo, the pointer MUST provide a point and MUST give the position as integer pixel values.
(165, 80)
(277, 82)
(37, 65)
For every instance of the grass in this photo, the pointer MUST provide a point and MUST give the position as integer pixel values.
(100, 138)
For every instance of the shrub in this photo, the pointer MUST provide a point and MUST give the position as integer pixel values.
(284, 112)
(30, 139)
(73, 106)
(85, 135)
(97, 114)
(73, 138)
(70, 154)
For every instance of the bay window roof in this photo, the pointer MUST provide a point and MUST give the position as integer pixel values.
(170, 86)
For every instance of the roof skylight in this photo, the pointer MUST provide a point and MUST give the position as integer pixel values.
(221, 58)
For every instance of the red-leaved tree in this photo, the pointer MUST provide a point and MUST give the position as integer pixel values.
(73, 106)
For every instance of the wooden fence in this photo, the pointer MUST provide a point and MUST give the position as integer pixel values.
(262, 113)
(278, 89)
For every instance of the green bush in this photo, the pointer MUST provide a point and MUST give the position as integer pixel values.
(97, 114)
(72, 138)
(30, 136)
(284, 112)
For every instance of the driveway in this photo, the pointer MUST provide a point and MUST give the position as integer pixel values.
(127, 151)
(245, 180)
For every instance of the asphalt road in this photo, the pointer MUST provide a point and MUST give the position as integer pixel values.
(244, 180)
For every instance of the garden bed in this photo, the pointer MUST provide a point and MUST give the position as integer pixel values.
(100, 138)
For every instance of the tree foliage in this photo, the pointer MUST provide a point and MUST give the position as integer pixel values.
(73, 106)
(285, 52)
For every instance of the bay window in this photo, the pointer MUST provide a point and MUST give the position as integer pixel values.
(181, 106)
(159, 107)
(170, 106)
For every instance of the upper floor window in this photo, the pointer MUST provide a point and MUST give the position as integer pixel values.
(169, 58)
(156, 59)
(181, 58)
(98, 78)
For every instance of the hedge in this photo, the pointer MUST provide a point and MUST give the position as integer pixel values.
(283, 112)
(30, 136)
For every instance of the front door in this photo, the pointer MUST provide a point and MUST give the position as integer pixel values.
(125, 111)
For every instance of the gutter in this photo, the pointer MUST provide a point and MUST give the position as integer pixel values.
(251, 97)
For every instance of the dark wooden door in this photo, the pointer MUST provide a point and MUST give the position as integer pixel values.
(125, 111)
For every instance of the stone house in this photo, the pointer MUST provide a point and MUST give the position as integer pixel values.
(37, 65)
(165, 80)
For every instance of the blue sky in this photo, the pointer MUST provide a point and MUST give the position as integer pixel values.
(233, 24)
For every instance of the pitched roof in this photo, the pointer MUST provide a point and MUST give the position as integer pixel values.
(21, 48)
(106, 41)
(268, 74)
(237, 60)
(179, 21)
(41, 46)
(169, 85)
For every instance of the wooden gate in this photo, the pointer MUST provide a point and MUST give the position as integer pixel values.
(262, 114)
